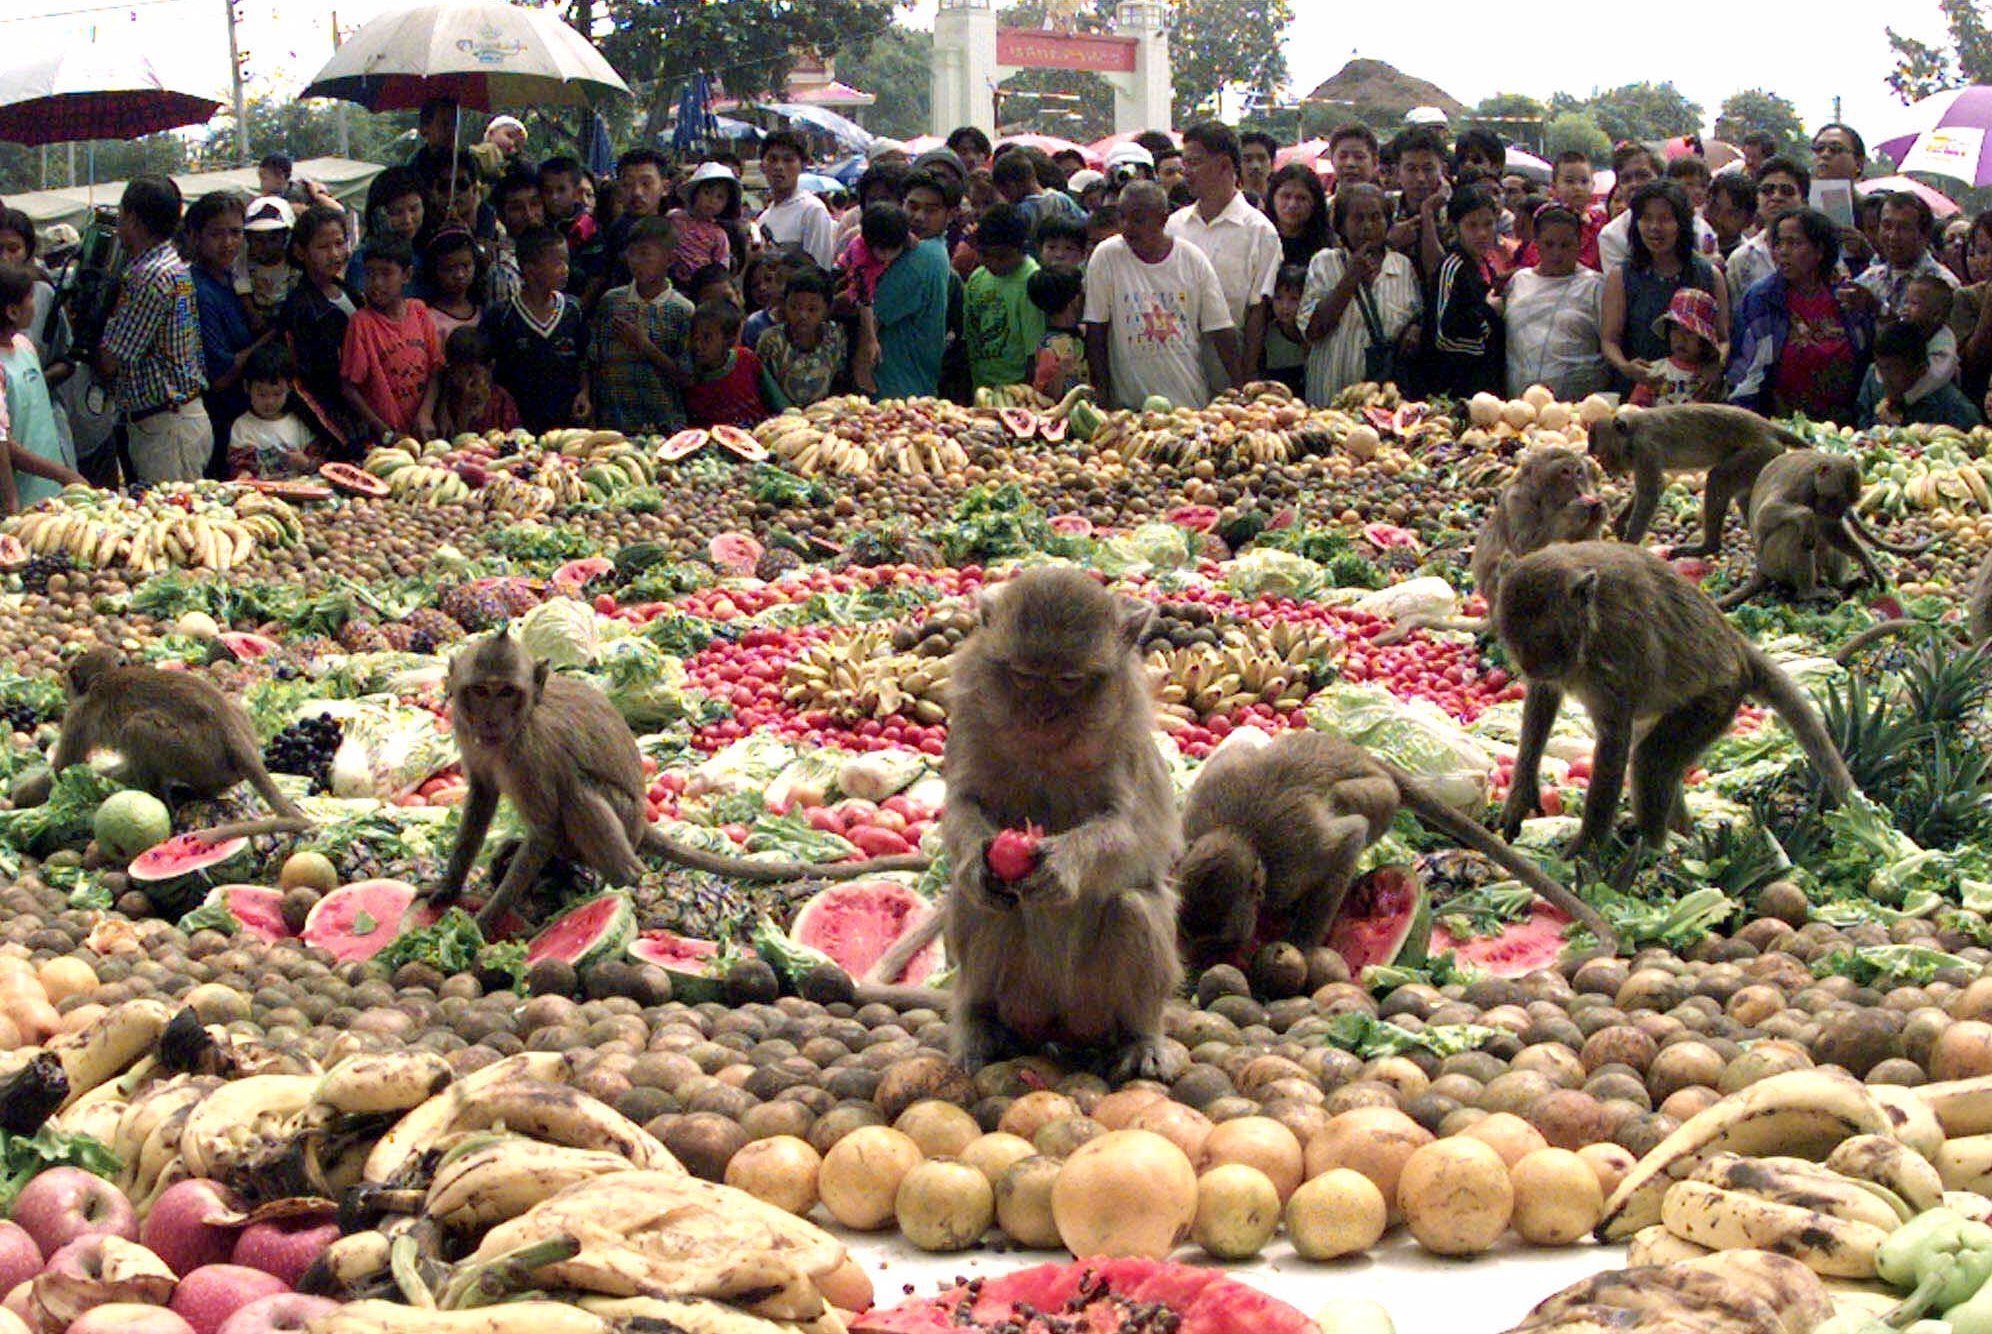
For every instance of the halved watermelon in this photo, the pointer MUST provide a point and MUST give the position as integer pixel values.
(587, 933)
(855, 923)
(689, 962)
(353, 481)
(357, 921)
(1520, 949)
(1094, 1297)
(684, 444)
(736, 553)
(739, 443)
(258, 910)
(1020, 422)
(1071, 525)
(183, 854)
(576, 574)
(1196, 518)
(1389, 537)
(1385, 917)
(245, 647)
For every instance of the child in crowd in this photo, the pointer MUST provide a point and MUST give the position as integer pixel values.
(714, 282)
(1462, 310)
(804, 357)
(266, 231)
(1901, 361)
(35, 463)
(456, 276)
(539, 339)
(1691, 372)
(397, 204)
(392, 356)
(561, 195)
(1691, 173)
(766, 283)
(1061, 241)
(471, 400)
(1059, 293)
(314, 319)
(1286, 341)
(270, 440)
(636, 351)
(520, 209)
(725, 388)
(1926, 304)
(1103, 223)
(999, 323)
(712, 205)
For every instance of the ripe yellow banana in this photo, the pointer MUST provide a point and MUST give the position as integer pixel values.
(530, 1317)
(232, 1123)
(1892, 1164)
(1657, 1246)
(1965, 1163)
(377, 1082)
(565, 1115)
(1961, 1106)
(112, 1044)
(420, 1127)
(501, 1180)
(1803, 1114)
(1911, 1119)
(1729, 1220)
(1801, 1300)
(1805, 1185)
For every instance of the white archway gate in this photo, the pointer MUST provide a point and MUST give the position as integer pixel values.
(972, 57)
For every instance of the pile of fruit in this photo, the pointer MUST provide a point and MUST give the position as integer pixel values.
(199, 525)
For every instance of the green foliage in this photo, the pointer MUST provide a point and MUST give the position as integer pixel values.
(1220, 42)
(1576, 131)
(1509, 106)
(1923, 68)
(1637, 111)
(454, 945)
(895, 66)
(24, 1157)
(1760, 109)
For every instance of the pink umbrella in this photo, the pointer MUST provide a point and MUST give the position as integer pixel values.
(1113, 141)
(925, 143)
(1051, 145)
(1941, 204)
(1311, 152)
(1951, 138)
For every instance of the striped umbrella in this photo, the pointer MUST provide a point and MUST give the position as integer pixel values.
(1947, 136)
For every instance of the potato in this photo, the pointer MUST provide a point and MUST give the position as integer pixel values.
(1238, 1210)
(944, 1205)
(1340, 1212)
(1557, 1197)
(1456, 1196)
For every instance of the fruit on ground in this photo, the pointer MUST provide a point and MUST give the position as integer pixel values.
(780, 1169)
(860, 1176)
(1238, 1210)
(944, 1205)
(1557, 1197)
(129, 822)
(1456, 1196)
(1129, 1192)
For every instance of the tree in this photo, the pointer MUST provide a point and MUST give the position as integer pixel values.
(894, 66)
(1759, 109)
(1509, 106)
(1220, 42)
(1644, 111)
(1922, 69)
(1576, 131)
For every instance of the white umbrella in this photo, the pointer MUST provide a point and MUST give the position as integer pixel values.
(91, 92)
(841, 128)
(482, 53)
(1525, 163)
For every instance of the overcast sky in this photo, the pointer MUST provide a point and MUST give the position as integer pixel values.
(1810, 53)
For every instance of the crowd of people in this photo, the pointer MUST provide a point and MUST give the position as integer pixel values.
(477, 290)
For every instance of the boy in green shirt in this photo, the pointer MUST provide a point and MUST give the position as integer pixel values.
(1000, 325)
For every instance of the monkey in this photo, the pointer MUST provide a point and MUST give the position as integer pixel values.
(563, 754)
(176, 732)
(1733, 444)
(1051, 717)
(1279, 828)
(1659, 670)
(1804, 524)
(1977, 619)
(1552, 497)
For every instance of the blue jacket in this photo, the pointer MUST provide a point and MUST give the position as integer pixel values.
(1758, 330)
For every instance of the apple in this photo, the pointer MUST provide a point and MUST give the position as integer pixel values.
(20, 1258)
(129, 1318)
(97, 1270)
(64, 1203)
(209, 1295)
(193, 1223)
(285, 1313)
(285, 1246)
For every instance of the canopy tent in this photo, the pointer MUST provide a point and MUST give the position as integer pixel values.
(346, 179)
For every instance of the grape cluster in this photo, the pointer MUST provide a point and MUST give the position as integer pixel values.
(306, 747)
(34, 578)
(20, 717)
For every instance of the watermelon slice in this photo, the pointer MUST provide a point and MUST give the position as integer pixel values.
(258, 910)
(13, 555)
(1196, 518)
(855, 923)
(1385, 916)
(1520, 949)
(1071, 525)
(1020, 422)
(689, 962)
(1389, 537)
(294, 491)
(739, 443)
(576, 574)
(245, 647)
(357, 921)
(353, 481)
(183, 854)
(587, 933)
(736, 553)
(1094, 1297)
(684, 444)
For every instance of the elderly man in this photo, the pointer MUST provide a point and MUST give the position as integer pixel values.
(1240, 242)
(1153, 304)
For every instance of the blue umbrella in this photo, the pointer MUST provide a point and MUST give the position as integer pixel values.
(695, 118)
(847, 169)
(601, 153)
(816, 183)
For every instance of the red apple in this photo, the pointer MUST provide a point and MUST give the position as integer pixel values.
(285, 1313)
(97, 1270)
(129, 1318)
(64, 1203)
(193, 1223)
(20, 1258)
(209, 1295)
(284, 1246)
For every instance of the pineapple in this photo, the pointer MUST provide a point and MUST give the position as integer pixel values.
(517, 597)
(428, 621)
(398, 636)
(776, 562)
(475, 609)
(358, 636)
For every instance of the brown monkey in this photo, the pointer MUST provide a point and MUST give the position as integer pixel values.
(1656, 666)
(1733, 444)
(1804, 524)
(1552, 497)
(569, 763)
(1051, 723)
(1279, 828)
(177, 733)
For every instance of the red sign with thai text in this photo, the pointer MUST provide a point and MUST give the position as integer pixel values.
(1031, 48)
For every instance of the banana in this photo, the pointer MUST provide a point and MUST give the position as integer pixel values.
(1965, 1163)
(97, 1118)
(565, 1115)
(418, 1129)
(383, 1082)
(1793, 1290)
(1961, 1106)
(159, 1152)
(232, 1122)
(1892, 1164)
(1911, 1119)
(112, 1044)
(1729, 1220)
(503, 1179)
(1802, 1113)
(355, 1258)
(1657, 1246)
(528, 1317)
(1806, 1185)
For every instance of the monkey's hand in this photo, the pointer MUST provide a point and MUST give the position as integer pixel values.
(1519, 806)
(973, 882)
(1056, 880)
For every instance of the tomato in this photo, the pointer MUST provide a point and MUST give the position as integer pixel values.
(876, 842)
(735, 831)
(1552, 801)
(824, 818)
(605, 604)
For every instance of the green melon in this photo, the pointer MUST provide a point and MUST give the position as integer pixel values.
(129, 822)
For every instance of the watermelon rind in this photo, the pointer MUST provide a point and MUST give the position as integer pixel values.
(357, 921)
(589, 932)
(181, 855)
(810, 928)
(1360, 935)
(660, 948)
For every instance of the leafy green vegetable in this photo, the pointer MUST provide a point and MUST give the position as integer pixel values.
(64, 820)
(733, 808)
(1321, 545)
(1437, 970)
(1368, 1037)
(1484, 911)
(24, 1157)
(538, 542)
(792, 959)
(1917, 965)
(211, 915)
(996, 523)
(176, 648)
(661, 583)
(1676, 925)
(679, 636)
(770, 485)
(792, 836)
(41, 695)
(1351, 570)
(453, 945)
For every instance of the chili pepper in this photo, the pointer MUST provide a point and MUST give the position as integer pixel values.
(1942, 1258)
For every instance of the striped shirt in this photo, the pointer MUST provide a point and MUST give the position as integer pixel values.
(155, 333)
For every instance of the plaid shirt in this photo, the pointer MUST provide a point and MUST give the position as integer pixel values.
(155, 333)
(630, 393)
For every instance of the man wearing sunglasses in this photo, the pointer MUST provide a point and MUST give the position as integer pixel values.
(1782, 185)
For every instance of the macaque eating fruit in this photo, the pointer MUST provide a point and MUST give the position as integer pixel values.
(1804, 523)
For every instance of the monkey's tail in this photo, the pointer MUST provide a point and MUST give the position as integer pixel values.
(1866, 534)
(1877, 632)
(1769, 685)
(746, 868)
(1435, 813)
(274, 824)
(893, 962)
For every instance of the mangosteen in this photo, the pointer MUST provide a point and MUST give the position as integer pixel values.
(553, 977)
(704, 1142)
(827, 984)
(1279, 970)
(752, 981)
(1222, 980)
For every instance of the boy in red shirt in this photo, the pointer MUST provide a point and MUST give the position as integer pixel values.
(392, 357)
(726, 378)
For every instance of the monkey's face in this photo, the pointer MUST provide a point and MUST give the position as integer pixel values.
(1566, 485)
(1220, 883)
(1057, 644)
(90, 668)
(1607, 443)
(1542, 614)
(491, 710)
(1836, 486)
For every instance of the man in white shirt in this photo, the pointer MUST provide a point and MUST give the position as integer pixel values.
(1240, 242)
(1152, 306)
(793, 217)
(1637, 167)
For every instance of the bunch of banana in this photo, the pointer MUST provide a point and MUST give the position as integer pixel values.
(1023, 396)
(1786, 1206)
(580, 443)
(855, 675)
(1930, 483)
(487, 1179)
(375, 1083)
(242, 1120)
(1277, 665)
(428, 484)
(516, 498)
(141, 539)
(1888, 1163)
(1802, 1113)
(147, 1138)
(1736, 1292)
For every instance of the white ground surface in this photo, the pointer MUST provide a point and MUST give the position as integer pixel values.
(1424, 1294)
